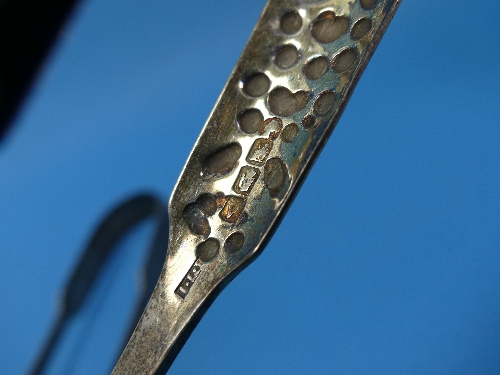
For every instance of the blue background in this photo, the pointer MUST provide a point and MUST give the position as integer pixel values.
(387, 262)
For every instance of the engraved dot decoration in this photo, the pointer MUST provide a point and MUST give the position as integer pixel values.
(324, 103)
(196, 214)
(336, 35)
(250, 120)
(344, 60)
(256, 85)
(288, 93)
(308, 122)
(368, 4)
(286, 56)
(234, 242)
(207, 203)
(290, 23)
(290, 132)
(328, 27)
(208, 250)
(196, 220)
(316, 68)
(275, 174)
(222, 161)
(282, 102)
(361, 28)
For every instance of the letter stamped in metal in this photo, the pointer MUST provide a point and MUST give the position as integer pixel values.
(246, 180)
(187, 282)
(260, 151)
(232, 209)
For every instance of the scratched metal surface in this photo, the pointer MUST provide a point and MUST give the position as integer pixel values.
(386, 263)
(269, 124)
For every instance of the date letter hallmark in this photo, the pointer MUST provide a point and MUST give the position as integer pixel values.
(246, 180)
(232, 209)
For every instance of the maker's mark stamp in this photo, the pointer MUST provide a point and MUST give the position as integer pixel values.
(187, 282)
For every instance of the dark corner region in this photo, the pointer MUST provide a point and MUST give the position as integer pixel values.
(28, 29)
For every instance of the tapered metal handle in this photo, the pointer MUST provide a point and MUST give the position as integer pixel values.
(278, 108)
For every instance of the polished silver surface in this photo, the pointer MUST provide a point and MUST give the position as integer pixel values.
(278, 108)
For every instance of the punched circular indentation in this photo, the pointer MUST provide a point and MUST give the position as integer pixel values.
(308, 121)
(327, 28)
(344, 60)
(316, 68)
(286, 56)
(368, 4)
(290, 132)
(250, 120)
(282, 102)
(234, 242)
(207, 203)
(275, 175)
(196, 220)
(256, 85)
(361, 28)
(290, 23)
(302, 99)
(222, 161)
(324, 103)
(208, 250)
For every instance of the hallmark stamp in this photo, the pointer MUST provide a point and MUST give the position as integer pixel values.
(232, 209)
(273, 125)
(187, 282)
(246, 180)
(259, 151)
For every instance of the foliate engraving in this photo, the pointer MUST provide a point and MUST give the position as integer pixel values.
(232, 209)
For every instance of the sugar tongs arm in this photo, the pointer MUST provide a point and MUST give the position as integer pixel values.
(277, 110)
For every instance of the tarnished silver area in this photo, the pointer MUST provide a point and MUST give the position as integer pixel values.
(278, 108)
